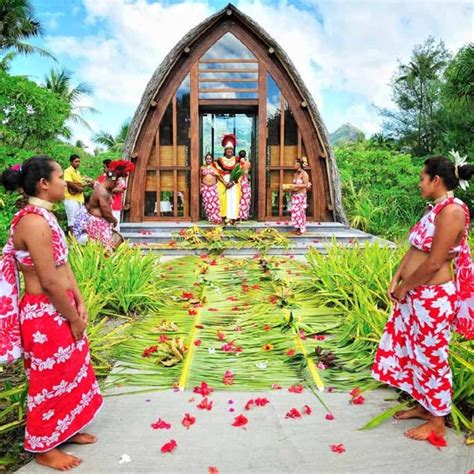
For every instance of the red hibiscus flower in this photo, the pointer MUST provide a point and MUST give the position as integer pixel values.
(6, 305)
(169, 447)
(275, 386)
(220, 335)
(296, 388)
(437, 440)
(231, 347)
(267, 327)
(205, 405)
(186, 295)
(290, 352)
(329, 416)
(239, 421)
(203, 389)
(293, 413)
(160, 425)
(163, 337)
(307, 410)
(212, 470)
(197, 342)
(338, 448)
(261, 402)
(228, 378)
(358, 400)
(355, 391)
(249, 404)
(192, 312)
(188, 420)
(149, 350)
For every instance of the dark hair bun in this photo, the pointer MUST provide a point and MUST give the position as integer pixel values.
(465, 172)
(11, 179)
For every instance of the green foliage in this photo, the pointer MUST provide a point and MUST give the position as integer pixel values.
(380, 189)
(29, 114)
(416, 90)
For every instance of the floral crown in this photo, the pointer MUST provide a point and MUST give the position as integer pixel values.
(459, 161)
(121, 168)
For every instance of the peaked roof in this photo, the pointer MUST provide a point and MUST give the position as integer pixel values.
(192, 36)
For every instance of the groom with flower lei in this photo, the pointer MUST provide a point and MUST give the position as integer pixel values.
(229, 185)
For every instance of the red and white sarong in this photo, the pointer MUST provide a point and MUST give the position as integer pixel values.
(100, 230)
(210, 201)
(413, 351)
(298, 211)
(63, 393)
(245, 198)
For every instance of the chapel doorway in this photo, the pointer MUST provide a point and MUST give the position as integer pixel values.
(243, 124)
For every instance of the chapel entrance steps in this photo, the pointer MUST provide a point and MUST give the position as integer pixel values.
(318, 236)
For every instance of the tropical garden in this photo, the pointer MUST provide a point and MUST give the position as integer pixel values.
(313, 324)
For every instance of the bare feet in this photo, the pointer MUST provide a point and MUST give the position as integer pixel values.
(422, 432)
(415, 412)
(58, 460)
(82, 438)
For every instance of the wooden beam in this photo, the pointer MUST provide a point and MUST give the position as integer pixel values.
(175, 155)
(229, 80)
(282, 153)
(262, 141)
(298, 147)
(228, 61)
(194, 145)
(158, 174)
(214, 91)
(222, 71)
(229, 102)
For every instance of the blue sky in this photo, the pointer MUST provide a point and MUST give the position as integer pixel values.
(345, 50)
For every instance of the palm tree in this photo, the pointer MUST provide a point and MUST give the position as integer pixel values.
(5, 62)
(17, 24)
(113, 143)
(59, 82)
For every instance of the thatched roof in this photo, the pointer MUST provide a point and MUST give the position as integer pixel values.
(192, 36)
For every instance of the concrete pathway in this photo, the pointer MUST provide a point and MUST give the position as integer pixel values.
(269, 443)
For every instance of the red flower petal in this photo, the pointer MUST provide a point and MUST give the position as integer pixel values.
(149, 350)
(199, 326)
(188, 420)
(437, 440)
(197, 342)
(212, 470)
(220, 335)
(337, 448)
(329, 416)
(214, 310)
(239, 421)
(186, 295)
(255, 287)
(192, 312)
(267, 327)
(358, 400)
(169, 447)
(355, 391)
(163, 337)
(249, 404)
(205, 405)
(203, 389)
(273, 299)
(235, 308)
(293, 413)
(261, 402)
(290, 352)
(232, 298)
(228, 378)
(275, 386)
(307, 410)
(296, 388)
(160, 425)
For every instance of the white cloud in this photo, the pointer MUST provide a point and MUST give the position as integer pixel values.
(353, 50)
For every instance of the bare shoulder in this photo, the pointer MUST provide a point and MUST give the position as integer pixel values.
(452, 211)
(32, 223)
